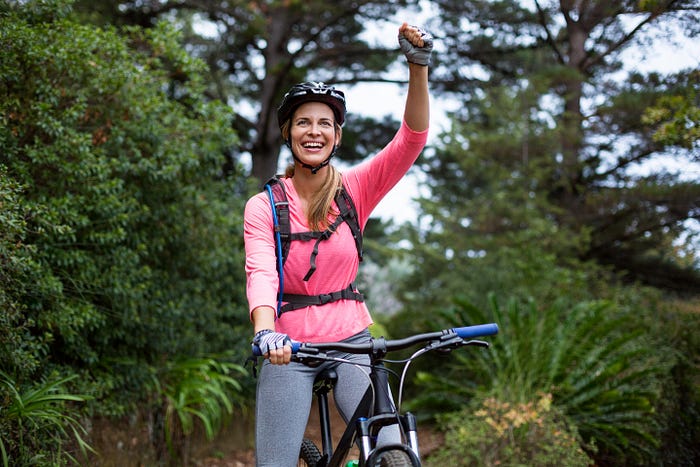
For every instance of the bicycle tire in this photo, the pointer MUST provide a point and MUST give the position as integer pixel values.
(393, 458)
(309, 453)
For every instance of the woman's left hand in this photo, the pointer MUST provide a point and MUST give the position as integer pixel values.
(416, 44)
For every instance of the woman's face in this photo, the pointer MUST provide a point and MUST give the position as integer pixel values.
(313, 133)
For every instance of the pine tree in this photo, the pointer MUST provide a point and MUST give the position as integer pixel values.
(550, 144)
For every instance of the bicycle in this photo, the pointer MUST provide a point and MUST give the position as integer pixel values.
(377, 408)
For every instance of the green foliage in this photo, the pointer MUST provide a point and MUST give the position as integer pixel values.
(120, 241)
(491, 224)
(603, 371)
(37, 421)
(492, 432)
(678, 322)
(195, 389)
(547, 190)
(676, 116)
(18, 349)
(550, 141)
(128, 218)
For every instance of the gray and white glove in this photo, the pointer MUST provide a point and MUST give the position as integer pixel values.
(268, 339)
(415, 54)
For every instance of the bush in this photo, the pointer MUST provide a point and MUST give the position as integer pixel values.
(493, 432)
(17, 274)
(192, 390)
(130, 222)
(38, 421)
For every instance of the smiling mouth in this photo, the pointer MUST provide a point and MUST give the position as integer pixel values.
(312, 145)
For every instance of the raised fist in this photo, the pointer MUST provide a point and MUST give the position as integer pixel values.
(416, 44)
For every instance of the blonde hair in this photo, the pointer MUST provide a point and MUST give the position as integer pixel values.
(321, 203)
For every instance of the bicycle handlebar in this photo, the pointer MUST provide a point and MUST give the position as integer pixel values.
(467, 332)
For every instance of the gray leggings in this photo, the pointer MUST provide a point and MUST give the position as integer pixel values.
(284, 396)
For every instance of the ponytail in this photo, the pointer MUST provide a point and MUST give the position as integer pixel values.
(321, 204)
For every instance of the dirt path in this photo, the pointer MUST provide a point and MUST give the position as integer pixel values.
(222, 457)
(127, 442)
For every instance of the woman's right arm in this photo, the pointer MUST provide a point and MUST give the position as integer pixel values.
(263, 317)
(260, 259)
(261, 271)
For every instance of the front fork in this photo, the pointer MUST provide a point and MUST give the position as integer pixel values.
(368, 428)
(408, 421)
(368, 434)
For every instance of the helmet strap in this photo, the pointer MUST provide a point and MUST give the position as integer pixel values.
(313, 168)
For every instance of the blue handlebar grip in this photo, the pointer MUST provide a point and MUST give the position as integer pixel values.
(479, 330)
(257, 353)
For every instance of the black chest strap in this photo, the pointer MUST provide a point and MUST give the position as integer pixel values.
(296, 301)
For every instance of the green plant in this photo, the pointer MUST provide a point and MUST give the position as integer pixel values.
(195, 389)
(603, 370)
(18, 355)
(41, 420)
(492, 432)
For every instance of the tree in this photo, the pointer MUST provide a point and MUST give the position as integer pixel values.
(549, 140)
(262, 48)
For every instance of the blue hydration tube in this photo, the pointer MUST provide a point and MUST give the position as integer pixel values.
(278, 244)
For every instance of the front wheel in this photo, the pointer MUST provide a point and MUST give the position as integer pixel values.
(393, 458)
(309, 454)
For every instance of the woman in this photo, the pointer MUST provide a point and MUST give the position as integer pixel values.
(310, 119)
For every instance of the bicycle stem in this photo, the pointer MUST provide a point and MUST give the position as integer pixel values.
(380, 380)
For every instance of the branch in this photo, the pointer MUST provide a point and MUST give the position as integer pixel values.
(550, 38)
(313, 37)
(628, 37)
(623, 162)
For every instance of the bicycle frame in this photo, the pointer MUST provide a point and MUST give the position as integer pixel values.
(366, 426)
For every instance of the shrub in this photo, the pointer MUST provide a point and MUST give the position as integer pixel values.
(120, 233)
(493, 432)
(192, 390)
(37, 421)
(17, 276)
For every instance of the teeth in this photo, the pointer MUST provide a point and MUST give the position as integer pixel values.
(313, 145)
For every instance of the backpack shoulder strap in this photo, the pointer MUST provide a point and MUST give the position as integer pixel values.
(349, 213)
(281, 204)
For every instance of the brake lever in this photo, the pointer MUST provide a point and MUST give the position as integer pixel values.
(310, 359)
(477, 343)
(448, 345)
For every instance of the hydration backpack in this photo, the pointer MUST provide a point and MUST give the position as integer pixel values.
(284, 237)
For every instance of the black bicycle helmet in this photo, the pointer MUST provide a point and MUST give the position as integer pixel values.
(311, 91)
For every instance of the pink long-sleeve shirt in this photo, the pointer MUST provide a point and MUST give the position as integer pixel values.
(337, 261)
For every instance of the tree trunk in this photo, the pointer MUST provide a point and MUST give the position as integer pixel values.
(572, 131)
(266, 147)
